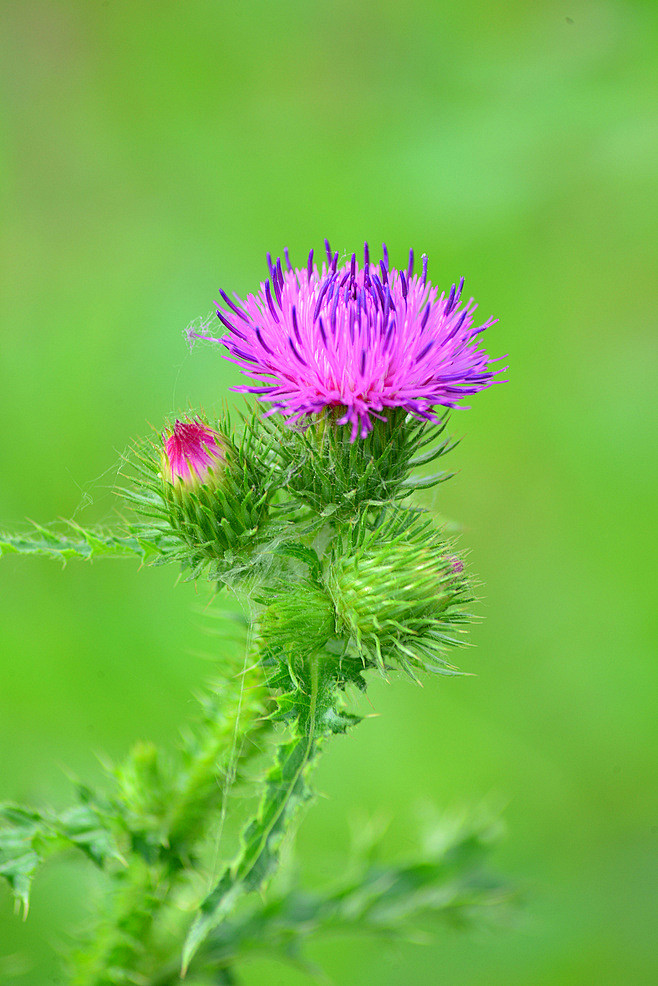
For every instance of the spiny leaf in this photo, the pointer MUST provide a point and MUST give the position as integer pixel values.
(73, 541)
(28, 837)
(286, 790)
(447, 880)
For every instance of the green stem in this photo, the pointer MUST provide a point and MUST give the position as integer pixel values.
(285, 790)
(247, 865)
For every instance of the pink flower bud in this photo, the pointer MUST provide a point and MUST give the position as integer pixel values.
(192, 451)
(456, 564)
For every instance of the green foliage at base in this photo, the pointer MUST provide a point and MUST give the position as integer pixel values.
(448, 880)
(309, 704)
(29, 837)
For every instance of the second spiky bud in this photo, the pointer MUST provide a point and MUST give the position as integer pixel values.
(399, 593)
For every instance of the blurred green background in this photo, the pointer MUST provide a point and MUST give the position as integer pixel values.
(155, 151)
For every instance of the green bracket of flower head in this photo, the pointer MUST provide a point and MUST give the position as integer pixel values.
(296, 620)
(337, 477)
(399, 592)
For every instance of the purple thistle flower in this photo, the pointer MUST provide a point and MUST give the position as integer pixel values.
(359, 338)
(191, 452)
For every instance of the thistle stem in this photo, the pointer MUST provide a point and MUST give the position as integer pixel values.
(285, 789)
(305, 747)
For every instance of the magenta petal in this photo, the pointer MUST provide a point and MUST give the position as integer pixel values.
(192, 450)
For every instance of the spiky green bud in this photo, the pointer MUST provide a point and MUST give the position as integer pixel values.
(296, 621)
(208, 488)
(398, 594)
(216, 492)
(212, 500)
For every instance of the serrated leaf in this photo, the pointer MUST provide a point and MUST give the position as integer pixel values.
(286, 789)
(73, 541)
(28, 837)
(18, 864)
(339, 722)
(83, 827)
(447, 880)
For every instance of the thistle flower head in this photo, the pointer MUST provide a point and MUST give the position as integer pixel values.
(355, 339)
(192, 451)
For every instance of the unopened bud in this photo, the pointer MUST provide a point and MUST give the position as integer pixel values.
(215, 491)
(400, 596)
(297, 621)
(192, 453)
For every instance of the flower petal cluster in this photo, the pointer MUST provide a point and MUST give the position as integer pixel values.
(191, 451)
(355, 338)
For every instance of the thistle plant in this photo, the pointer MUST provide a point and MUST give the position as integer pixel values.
(304, 510)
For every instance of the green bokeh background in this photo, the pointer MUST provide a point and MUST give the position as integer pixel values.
(156, 151)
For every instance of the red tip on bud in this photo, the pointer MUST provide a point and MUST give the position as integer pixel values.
(191, 452)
